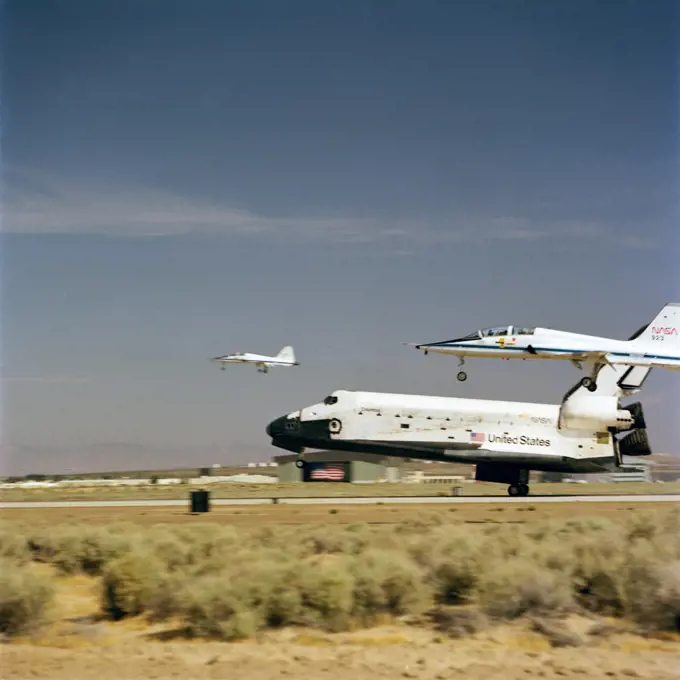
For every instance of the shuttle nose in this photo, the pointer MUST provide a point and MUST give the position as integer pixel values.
(276, 427)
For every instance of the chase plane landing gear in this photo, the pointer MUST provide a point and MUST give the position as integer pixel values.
(589, 384)
(590, 381)
(462, 375)
(518, 490)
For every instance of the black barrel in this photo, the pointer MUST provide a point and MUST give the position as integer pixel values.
(200, 501)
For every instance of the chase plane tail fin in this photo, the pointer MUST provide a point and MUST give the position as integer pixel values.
(286, 354)
(663, 331)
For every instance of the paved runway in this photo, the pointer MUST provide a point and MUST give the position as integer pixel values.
(655, 498)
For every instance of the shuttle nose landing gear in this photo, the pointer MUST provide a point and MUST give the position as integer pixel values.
(518, 490)
(300, 463)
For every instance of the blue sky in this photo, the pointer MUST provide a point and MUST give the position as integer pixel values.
(185, 179)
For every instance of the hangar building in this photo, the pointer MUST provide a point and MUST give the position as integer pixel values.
(338, 466)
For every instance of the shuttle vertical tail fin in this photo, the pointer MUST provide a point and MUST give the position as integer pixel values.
(286, 354)
(663, 332)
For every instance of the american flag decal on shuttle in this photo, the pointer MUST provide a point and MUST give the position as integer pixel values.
(477, 437)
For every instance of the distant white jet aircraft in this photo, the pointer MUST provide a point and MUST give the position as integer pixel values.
(286, 357)
(654, 345)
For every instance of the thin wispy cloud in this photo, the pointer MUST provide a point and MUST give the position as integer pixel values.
(43, 205)
(47, 379)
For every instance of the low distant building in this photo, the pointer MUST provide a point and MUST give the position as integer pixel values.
(633, 470)
(337, 466)
(422, 477)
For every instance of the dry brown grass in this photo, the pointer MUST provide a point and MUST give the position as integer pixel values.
(325, 489)
(412, 515)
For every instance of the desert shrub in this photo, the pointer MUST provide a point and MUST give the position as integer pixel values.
(205, 535)
(283, 537)
(81, 548)
(598, 571)
(25, 598)
(663, 611)
(206, 541)
(452, 560)
(458, 622)
(13, 543)
(236, 604)
(267, 584)
(544, 529)
(670, 523)
(327, 593)
(213, 608)
(553, 554)
(334, 540)
(518, 587)
(667, 537)
(502, 541)
(642, 526)
(566, 530)
(164, 598)
(586, 525)
(131, 583)
(173, 552)
(387, 582)
(652, 593)
(195, 549)
(422, 521)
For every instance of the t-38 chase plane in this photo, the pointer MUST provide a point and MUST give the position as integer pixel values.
(587, 432)
(654, 345)
(286, 357)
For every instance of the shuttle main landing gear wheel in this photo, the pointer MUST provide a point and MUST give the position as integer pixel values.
(518, 490)
(299, 463)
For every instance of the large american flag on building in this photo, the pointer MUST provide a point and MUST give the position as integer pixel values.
(330, 473)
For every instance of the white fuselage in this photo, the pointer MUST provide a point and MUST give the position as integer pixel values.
(545, 343)
(538, 436)
(248, 358)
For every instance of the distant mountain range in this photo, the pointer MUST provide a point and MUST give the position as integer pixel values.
(120, 456)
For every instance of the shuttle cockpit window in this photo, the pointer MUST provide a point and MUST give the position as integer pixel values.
(330, 400)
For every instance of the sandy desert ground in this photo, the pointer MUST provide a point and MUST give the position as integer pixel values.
(90, 651)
